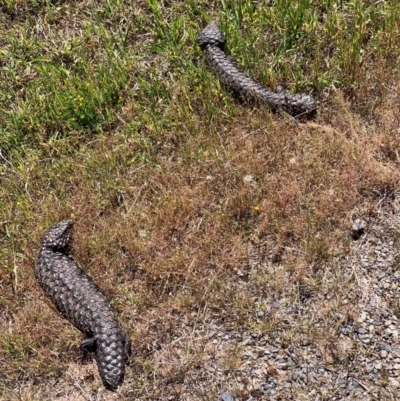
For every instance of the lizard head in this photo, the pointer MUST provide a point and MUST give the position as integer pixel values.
(211, 35)
(59, 235)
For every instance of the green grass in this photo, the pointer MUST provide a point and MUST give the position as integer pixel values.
(109, 115)
(76, 80)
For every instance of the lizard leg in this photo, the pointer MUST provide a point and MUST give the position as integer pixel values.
(89, 344)
(127, 346)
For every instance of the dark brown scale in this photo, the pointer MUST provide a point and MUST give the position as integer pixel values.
(82, 303)
(212, 42)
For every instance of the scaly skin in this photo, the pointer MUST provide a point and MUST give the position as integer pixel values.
(212, 42)
(82, 303)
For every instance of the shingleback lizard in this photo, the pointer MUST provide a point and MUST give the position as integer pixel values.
(212, 42)
(82, 303)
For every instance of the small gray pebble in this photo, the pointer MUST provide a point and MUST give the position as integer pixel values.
(353, 385)
(375, 376)
(227, 397)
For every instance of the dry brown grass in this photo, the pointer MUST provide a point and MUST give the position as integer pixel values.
(174, 244)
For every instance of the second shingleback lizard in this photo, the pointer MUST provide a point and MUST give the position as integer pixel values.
(212, 41)
(79, 299)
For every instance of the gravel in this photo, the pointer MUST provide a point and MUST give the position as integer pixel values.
(341, 344)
